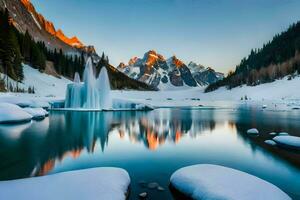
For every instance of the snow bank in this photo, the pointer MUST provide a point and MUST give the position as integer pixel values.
(217, 182)
(292, 142)
(10, 113)
(89, 184)
(253, 131)
(37, 113)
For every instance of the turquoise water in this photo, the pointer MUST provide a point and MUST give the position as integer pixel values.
(152, 145)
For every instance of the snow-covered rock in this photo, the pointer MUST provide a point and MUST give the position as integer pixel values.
(283, 134)
(207, 181)
(270, 142)
(273, 133)
(292, 142)
(10, 113)
(253, 131)
(89, 184)
(37, 113)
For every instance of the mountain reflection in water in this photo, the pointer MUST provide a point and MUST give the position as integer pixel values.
(152, 145)
(70, 133)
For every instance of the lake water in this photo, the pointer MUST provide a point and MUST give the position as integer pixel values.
(152, 145)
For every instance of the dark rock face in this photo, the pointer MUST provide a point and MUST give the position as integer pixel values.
(187, 76)
(207, 77)
(175, 78)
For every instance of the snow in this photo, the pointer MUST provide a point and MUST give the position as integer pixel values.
(50, 88)
(11, 113)
(207, 181)
(253, 131)
(37, 113)
(97, 183)
(292, 142)
(263, 91)
(272, 133)
(35, 20)
(44, 84)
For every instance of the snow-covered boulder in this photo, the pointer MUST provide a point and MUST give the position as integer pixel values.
(96, 183)
(10, 113)
(253, 131)
(37, 113)
(270, 142)
(292, 142)
(283, 134)
(273, 133)
(207, 181)
(40, 104)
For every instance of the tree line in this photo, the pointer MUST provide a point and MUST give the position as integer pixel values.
(16, 47)
(277, 58)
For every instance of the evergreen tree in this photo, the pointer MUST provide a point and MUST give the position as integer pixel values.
(26, 44)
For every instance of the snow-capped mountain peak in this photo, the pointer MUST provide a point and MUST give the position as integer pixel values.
(162, 73)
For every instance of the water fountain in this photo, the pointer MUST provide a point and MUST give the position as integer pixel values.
(95, 93)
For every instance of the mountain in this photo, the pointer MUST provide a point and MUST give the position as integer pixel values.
(25, 17)
(27, 37)
(276, 59)
(162, 73)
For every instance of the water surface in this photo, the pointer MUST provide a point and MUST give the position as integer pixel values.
(152, 145)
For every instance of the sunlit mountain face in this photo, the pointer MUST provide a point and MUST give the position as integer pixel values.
(157, 71)
(42, 22)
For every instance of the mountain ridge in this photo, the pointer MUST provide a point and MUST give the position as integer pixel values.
(157, 71)
(50, 27)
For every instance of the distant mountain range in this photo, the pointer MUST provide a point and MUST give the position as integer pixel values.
(156, 71)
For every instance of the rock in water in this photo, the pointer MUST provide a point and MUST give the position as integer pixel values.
(291, 142)
(10, 113)
(270, 142)
(143, 195)
(153, 185)
(159, 188)
(253, 131)
(283, 134)
(37, 113)
(96, 183)
(206, 182)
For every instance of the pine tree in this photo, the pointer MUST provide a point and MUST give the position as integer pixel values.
(26, 44)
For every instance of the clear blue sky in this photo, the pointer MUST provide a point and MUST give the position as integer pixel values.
(216, 33)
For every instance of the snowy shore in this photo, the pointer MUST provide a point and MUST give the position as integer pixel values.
(278, 95)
